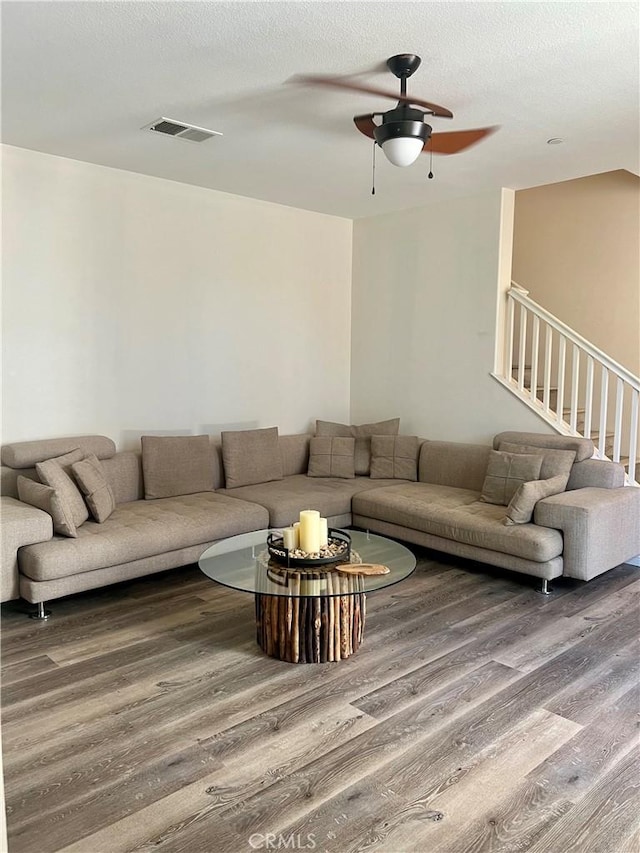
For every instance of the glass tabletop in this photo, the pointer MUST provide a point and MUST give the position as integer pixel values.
(243, 563)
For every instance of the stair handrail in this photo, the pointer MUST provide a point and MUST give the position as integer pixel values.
(521, 295)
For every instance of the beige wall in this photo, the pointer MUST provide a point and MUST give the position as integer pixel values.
(425, 284)
(577, 250)
(132, 303)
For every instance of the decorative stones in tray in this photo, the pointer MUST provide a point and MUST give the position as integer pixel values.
(338, 549)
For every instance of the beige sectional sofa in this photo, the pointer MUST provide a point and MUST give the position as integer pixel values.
(588, 529)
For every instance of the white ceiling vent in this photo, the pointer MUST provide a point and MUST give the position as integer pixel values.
(181, 130)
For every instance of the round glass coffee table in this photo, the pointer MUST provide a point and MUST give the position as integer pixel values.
(306, 615)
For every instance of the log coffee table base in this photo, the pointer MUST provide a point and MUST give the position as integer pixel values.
(312, 628)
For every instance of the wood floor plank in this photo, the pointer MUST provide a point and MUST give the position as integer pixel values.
(432, 822)
(478, 715)
(550, 791)
(604, 818)
(26, 670)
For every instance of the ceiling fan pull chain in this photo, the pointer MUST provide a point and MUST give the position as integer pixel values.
(430, 175)
(373, 171)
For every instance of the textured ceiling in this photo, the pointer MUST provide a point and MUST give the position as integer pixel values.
(80, 80)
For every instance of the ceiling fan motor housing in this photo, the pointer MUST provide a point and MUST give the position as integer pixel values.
(402, 122)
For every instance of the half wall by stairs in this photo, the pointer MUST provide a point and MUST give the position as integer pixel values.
(569, 383)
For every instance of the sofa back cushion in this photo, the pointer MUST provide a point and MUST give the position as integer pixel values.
(124, 474)
(583, 447)
(26, 454)
(175, 465)
(452, 463)
(251, 456)
(294, 450)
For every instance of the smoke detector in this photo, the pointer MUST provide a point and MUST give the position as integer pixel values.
(181, 130)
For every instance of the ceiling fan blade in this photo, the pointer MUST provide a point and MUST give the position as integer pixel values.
(365, 124)
(339, 83)
(456, 140)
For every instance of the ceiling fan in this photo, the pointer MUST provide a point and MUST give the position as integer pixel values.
(403, 132)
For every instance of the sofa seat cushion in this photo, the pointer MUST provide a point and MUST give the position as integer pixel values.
(285, 498)
(459, 515)
(142, 529)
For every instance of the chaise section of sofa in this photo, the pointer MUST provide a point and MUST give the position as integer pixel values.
(581, 533)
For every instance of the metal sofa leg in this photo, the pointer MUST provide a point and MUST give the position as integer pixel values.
(42, 614)
(545, 590)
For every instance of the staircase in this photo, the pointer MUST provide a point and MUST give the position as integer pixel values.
(572, 385)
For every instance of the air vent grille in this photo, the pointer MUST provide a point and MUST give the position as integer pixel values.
(181, 130)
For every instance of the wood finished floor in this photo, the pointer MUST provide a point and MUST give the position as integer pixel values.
(477, 716)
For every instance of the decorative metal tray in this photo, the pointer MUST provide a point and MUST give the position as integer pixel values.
(339, 543)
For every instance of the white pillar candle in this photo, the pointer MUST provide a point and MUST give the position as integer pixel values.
(310, 531)
(290, 538)
(324, 532)
(296, 527)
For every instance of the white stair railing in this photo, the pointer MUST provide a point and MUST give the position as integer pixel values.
(571, 384)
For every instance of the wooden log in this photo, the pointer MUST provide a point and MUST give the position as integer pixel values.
(295, 616)
(266, 603)
(259, 620)
(344, 619)
(282, 627)
(331, 621)
(324, 629)
(308, 629)
(302, 622)
(288, 629)
(336, 622)
(317, 625)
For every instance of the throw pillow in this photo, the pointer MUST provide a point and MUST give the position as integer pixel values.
(174, 465)
(332, 456)
(251, 456)
(95, 487)
(522, 504)
(555, 463)
(394, 457)
(362, 434)
(57, 474)
(505, 474)
(45, 498)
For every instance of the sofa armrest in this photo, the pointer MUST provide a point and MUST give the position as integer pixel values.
(20, 524)
(601, 528)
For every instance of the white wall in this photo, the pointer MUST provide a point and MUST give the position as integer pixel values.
(133, 303)
(424, 313)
